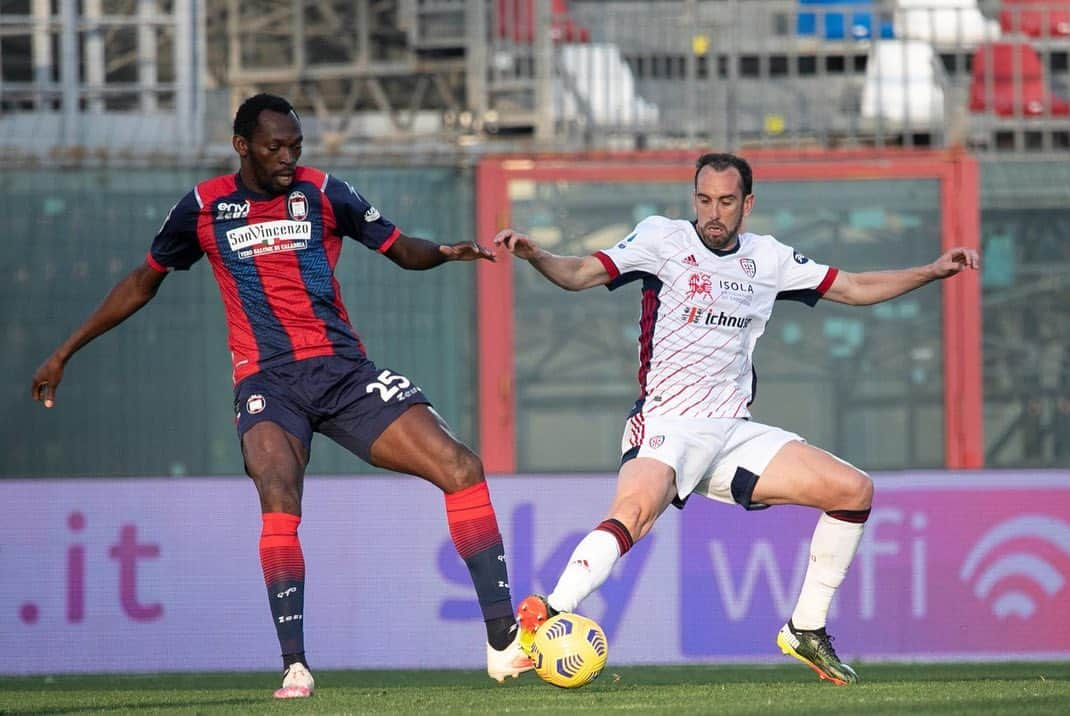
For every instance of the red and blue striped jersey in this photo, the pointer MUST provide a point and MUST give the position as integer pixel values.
(274, 258)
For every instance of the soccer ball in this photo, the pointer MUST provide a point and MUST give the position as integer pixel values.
(569, 651)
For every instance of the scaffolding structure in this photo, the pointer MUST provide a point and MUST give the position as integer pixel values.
(87, 75)
(141, 79)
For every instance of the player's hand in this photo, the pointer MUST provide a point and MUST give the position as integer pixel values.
(955, 261)
(46, 379)
(466, 251)
(519, 245)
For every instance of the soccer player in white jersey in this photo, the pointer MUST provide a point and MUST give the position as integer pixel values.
(708, 291)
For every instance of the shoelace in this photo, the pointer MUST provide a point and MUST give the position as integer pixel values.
(824, 644)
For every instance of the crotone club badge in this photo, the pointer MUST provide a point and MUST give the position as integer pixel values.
(297, 206)
(255, 404)
(749, 267)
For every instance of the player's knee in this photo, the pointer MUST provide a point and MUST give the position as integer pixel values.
(279, 492)
(461, 469)
(277, 479)
(271, 466)
(858, 491)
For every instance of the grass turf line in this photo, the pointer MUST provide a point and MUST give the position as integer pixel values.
(989, 688)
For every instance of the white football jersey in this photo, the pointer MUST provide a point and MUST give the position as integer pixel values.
(703, 311)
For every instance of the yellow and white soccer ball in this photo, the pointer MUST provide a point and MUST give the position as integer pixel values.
(569, 651)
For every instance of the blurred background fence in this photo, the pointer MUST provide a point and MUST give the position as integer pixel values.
(111, 109)
(153, 397)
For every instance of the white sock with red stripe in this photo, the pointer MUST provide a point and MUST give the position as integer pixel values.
(590, 565)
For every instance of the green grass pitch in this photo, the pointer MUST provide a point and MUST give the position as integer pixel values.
(990, 688)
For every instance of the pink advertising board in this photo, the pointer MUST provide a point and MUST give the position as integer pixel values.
(162, 574)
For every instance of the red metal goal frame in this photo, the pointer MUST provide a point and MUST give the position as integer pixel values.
(958, 177)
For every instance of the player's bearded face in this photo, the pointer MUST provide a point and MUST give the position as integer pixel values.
(273, 151)
(720, 207)
(721, 231)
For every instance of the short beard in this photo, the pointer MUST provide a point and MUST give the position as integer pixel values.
(726, 240)
(267, 183)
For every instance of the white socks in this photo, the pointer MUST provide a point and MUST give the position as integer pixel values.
(588, 567)
(832, 548)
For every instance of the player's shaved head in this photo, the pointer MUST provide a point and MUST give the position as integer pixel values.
(248, 114)
(721, 162)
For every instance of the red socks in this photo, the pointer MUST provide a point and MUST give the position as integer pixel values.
(474, 529)
(284, 574)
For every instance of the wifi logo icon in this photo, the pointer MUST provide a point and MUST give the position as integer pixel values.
(989, 582)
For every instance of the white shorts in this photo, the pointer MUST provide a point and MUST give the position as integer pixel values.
(718, 458)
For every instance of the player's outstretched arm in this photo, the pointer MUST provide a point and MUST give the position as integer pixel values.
(573, 273)
(415, 254)
(863, 289)
(131, 293)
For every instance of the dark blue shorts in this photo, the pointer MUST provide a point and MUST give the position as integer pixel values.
(351, 401)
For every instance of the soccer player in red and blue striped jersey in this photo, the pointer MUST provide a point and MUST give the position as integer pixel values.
(273, 233)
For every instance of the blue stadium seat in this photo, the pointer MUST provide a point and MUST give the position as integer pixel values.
(836, 26)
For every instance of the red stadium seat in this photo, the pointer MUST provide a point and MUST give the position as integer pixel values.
(1009, 79)
(1036, 18)
(516, 21)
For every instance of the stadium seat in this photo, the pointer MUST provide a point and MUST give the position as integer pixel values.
(516, 22)
(597, 85)
(834, 24)
(944, 22)
(904, 84)
(1008, 78)
(1036, 18)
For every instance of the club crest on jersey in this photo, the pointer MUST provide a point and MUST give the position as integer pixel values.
(656, 442)
(255, 404)
(297, 206)
(749, 267)
(699, 284)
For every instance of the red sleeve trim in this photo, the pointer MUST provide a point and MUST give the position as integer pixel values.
(390, 240)
(608, 264)
(154, 264)
(827, 282)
